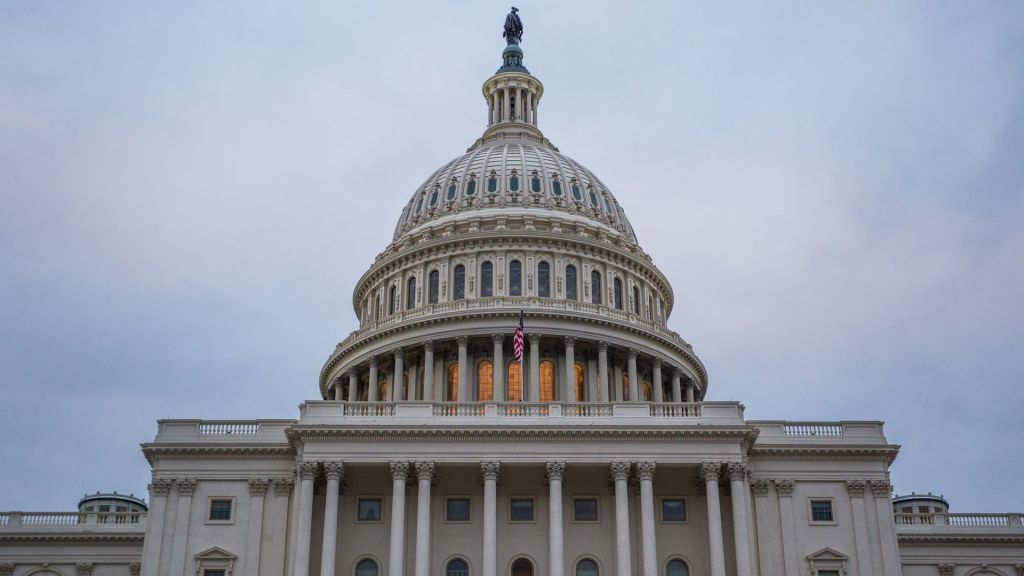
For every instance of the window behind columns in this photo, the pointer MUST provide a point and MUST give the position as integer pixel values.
(522, 567)
(453, 382)
(486, 279)
(459, 281)
(366, 567)
(677, 567)
(586, 567)
(435, 281)
(579, 382)
(547, 381)
(515, 278)
(457, 567)
(485, 380)
(570, 282)
(647, 391)
(515, 381)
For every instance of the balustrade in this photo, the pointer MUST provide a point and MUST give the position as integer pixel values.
(959, 519)
(229, 428)
(810, 429)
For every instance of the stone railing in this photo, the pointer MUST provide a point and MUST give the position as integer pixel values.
(219, 431)
(229, 428)
(813, 429)
(961, 520)
(329, 411)
(17, 520)
(801, 432)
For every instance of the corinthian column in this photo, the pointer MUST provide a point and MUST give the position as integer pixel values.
(185, 487)
(645, 471)
(499, 367)
(860, 526)
(158, 491)
(307, 472)
(556, 543)
(396, 557)
(399, 381)
(334, 471)
(604, 389)
(657, 392)
(372, 393)
(353, 385)
(489, 471)
(534, 367)
(428, 371)
(677, 391)
(424, 475)
(620, 475)
(882, 492)
(463, 342)
(257, 495)
(711, 472)
(634, 385)
(738, 489)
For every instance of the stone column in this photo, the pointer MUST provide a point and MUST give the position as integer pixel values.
(569, 394)
(882, 492)
(353, 385)
(529, 106)
(534, 367)
(494, 107)
(860, 525)
(711, 472)
(257, 496)
(634, 384)
(337, 389)
(277, 547)
(463, 342)
(185, 487)
(424, 476)
(506, 114)
(158, 490)
(499, 367)
(677, 394)
(329, 549)
(645, 471)
(428, 371)
(556, 543)
(764, 531)
(689, 392)
(396, 556)
(738, 488)
(399, 371)
(304, 528)
(414, 375)
(489, 471)
(620, 475)
(786, 518)
(605, 391)
(372, 392)
(657, 393)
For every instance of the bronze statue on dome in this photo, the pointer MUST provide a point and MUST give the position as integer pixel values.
(513, 33)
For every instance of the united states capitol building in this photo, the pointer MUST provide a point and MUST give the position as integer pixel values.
(431, 450)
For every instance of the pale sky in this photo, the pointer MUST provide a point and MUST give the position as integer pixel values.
(190, 190)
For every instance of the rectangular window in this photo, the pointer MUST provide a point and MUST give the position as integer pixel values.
(673, 510)
(105, 508)
(584, 510)
(821, 511)
(521, 510)
(213, 573)
(220, 509)
(457, 510)
(923, 509)
(828, 573)
(369, 509)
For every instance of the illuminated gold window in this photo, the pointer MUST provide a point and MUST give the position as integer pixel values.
(547, 381)
(485, 380)
(453, 382)
(405, 386)
(647, 391)
(515, 382)
(579, 382)
(625, 387)
(382, 391)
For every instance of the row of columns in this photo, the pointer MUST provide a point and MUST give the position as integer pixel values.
(501, 108)
(679, 394)
(555, 474)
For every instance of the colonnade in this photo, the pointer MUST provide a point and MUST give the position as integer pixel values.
(606, 368)
(620, 473)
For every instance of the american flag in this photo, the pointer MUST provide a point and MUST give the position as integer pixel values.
(517, 339)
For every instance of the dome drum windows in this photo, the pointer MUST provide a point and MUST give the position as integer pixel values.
(459, 283)
(492, 183)
(453, 189)
(544, 280)
(410, 294)
(486, 280)
(535, 184)
(515, 278)
(471, 186)
(435, 280)
(570, 282)
(574, 187)
(595, 287)
(513, 182)
(556, 187)
(434, 195)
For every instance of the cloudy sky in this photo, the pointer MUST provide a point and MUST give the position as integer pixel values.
(189, 191)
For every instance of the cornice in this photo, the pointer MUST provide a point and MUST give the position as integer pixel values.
(961, 538)
(93, 537)
(404, 434)
(156, 452)
(884, 453)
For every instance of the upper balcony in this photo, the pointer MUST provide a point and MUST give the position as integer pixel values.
(50, 523)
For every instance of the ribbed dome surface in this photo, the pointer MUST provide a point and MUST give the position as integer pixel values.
(516, 174)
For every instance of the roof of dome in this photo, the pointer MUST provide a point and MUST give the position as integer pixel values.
(517, 174)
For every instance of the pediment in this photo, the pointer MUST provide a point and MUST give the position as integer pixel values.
(216, 553)
(827, 555)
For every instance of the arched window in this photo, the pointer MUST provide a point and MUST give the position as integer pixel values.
(366, 567)
(576, 194)
(459, 288)
(586, 567)
(392, 299)
(570, 282)
(647, 391)
(618, 293)
(677, 567)
(595, 287)
(452, 189)
(544, 280)
(433, 198)
(535, 185)
(522, 567)
(625, 387)
(453, 382)
(419, 205)
(486, 279)
(515, 278)
(593, 197)
(471, 187)
(405, 385)
(547, 381)
(636, 300)
(485, 381)
(435, 281)
(382, 390)
(410, 294)
(457, 567)
(580, 393)
(515, 381)
(513, 183)
(556, 187)
(492, 184)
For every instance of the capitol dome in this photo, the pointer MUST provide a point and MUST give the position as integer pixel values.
(513, 230)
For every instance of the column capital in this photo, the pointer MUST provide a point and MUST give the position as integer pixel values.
(760, 487)
(656, 362)
(784, 487)
(462, 340)
(334, 470)
(856, 488)
(631, 354)
(258, 486)
(534, 338)
(424, 470)
(353, 371)
(283, 486)
(399, 470)
(307, 470)
(185, 486)
(159, 487)
(737, 471)
(645, 470)
(498, 338)
(554, 471)
(373, 361)
(428, 345)
(490, 470)
(570, 340)
(602, 346)
(620, 470)
(711, 471)
(880, 488)
(398, 351)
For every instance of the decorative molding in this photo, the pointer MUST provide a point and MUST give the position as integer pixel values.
(134, 569)
(159, 487)
(307, 470)
(399, 470)
(283, 486)
(881, 488)
(784, 487)
(334, 470)
(737, 471)
(6, 569)
(711, 471)
(1019, 568)
(856, 488)
(946, 569)
(645, 470)
(425, 470)
(760, 487)
(620, 471)
(490, 470)
(185, 486)
(258, 486)
(83, 569)
(554, 471)
(154, 453)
